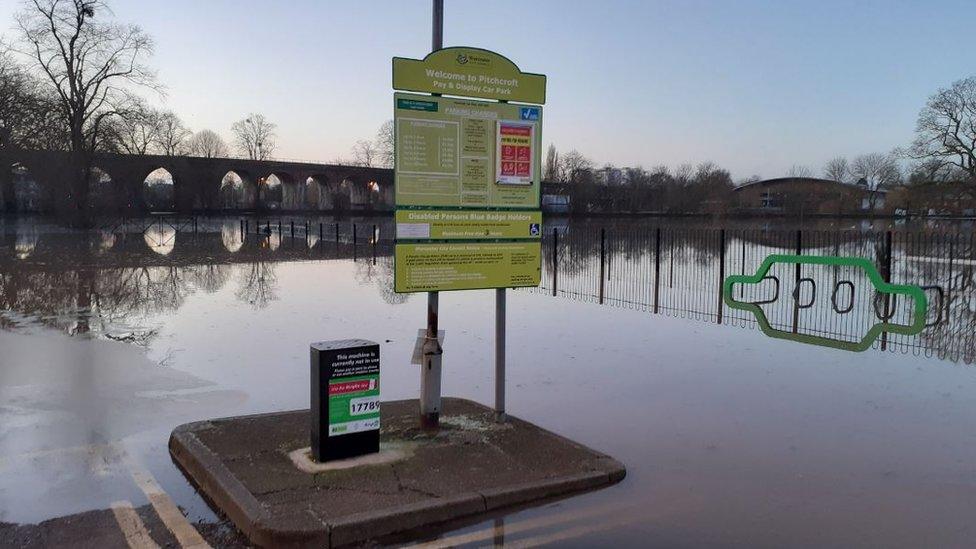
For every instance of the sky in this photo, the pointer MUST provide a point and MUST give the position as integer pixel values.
(754, 86)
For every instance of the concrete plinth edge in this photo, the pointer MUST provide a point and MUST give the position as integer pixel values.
(266, 522)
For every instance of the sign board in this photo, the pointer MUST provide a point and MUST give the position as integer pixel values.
(345, 398)
(467, 224)
(467, 172)
(469, 72)
(467, 153)
(466, 266)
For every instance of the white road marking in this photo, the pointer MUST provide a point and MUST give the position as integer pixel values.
(132, 526)
(168, 512)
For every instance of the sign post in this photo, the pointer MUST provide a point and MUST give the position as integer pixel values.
(430, 369)
(468, 176)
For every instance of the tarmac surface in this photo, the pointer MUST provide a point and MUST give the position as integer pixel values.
(471, 466)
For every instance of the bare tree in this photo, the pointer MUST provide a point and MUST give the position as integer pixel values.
(946, 128)
(90, 64)
(837, 169)
(29, 117)
(385, 145)
(550, 171)
(799, 171)
(876, 172)
(254, 137)
(172, 135)
(575, 166)
(135, 131)
(364, 153)
(208, 144)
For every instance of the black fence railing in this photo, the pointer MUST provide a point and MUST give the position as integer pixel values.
(678, 271)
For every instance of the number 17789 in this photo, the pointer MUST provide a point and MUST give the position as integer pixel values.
(364, 405)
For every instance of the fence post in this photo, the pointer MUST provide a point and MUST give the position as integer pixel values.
(321, 231)
(886, 275)
(657, 267)
(292, 228)
(337, 239)
(555, 259)
(721, 272)
(948, 301)
(742, 266)
(279, 228)
(354, 250)
(796, 282)
(603, 253)
(375, 238)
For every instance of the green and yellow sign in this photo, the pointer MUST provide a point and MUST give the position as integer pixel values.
(466, 172)
(468, 224)
(462, 152)
(469, 72)
(466, 266)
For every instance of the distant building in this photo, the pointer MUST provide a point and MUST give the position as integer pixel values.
(555, 197)
(611, 176)
(809, 195)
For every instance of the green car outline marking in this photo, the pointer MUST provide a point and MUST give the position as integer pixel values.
(915, 292)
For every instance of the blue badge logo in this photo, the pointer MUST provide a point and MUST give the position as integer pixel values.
(529, 113)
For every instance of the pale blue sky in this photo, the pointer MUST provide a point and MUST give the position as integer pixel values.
(756, 86)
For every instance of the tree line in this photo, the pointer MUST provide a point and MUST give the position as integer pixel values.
(937, 171)
(72, 79)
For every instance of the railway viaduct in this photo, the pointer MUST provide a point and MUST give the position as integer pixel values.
(119, 183)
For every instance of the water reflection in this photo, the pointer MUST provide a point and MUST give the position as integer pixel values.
(257, 284)
(160, 239)
(115, 282)
(231, 237)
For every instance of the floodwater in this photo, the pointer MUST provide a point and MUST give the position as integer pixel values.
(731, 439)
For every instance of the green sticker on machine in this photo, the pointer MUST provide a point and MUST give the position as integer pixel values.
(354, 404)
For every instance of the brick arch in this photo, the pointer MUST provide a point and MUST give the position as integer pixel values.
(248, 191)
(320, 191)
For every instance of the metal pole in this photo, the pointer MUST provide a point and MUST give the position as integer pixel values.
(555, 260)
(430, 370)
(500, 354)
(657, 267)
(437, 28)
(796, 282)
(721, 272)
(603, 254)
(886, 274)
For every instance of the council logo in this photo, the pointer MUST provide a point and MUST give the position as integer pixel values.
(462, 59)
